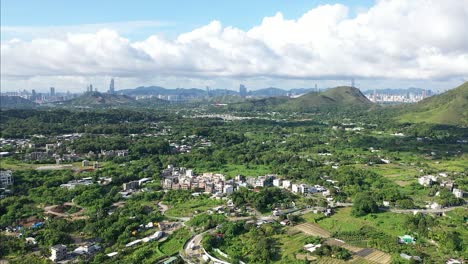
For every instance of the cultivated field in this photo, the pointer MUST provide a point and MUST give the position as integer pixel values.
(313, 230)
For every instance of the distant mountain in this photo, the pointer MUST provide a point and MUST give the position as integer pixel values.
(338, 98)
(93, 99)
(268, 92)
(399, 91)
(448, 108)
(157, 90)
(190, 93)
(9, 102)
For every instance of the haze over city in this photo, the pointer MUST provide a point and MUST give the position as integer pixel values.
(381, 44)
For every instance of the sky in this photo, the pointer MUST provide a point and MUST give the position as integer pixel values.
(220, 44)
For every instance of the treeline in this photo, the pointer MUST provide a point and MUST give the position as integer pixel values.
(22, 123)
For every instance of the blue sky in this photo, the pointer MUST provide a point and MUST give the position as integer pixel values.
(286, 44)
(175, 16)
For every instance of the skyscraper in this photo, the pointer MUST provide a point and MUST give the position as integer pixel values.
(242, 91)
(52, 91)
(33, 95)
(111, 86)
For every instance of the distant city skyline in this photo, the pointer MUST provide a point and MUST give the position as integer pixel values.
(379, 44)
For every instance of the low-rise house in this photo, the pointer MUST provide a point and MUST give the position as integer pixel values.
(73, 183)
(458, 193)
(277, 182)
(427, 180)
(87, 249)
(286, 184)
(447, 184)
(311, 247)
(434, 205)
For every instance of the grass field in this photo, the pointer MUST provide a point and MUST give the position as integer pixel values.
(175, 242)
(290, 244)
(188, 208)
(402, 175)
(390, 223)
(11, 164)
(453, 165)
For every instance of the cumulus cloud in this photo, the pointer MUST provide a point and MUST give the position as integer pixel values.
(399, 39)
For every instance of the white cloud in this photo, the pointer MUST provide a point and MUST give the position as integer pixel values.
(397, 39)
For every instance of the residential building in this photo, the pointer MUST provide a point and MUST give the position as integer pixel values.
(58, 253)
(277, 182)
(6, 178)
(228, 189)
(133, 185)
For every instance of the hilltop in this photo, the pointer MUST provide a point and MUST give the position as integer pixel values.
(450, 107)
(9, 102)
(338, 98)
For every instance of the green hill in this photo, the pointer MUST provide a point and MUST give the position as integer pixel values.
(341, 97)
(448, 108)
(338, 98)
(96, 99)
(16, 102)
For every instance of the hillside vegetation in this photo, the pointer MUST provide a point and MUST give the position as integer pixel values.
(343, 97)
(448, 108)
(100, 99)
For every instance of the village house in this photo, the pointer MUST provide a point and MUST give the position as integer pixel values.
(87, 249)
(58, 253)
(427, 180)
(458, 193)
